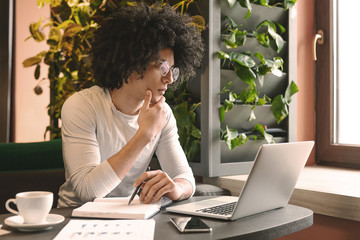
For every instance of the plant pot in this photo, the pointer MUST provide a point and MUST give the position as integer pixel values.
(237, 118)
(259, 13)
(272, 87)
(245, 153)
(253, 46)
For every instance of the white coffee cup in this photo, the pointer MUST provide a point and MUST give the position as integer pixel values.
(33, 206)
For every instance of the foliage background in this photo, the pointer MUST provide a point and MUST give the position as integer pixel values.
(71, 29)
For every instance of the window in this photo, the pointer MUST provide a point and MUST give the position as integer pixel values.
(337, 84)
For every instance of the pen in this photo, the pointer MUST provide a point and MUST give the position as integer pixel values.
(137, 190)
(134, 193)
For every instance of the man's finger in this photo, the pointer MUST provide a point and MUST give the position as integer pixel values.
(148, 96)
(146, 176)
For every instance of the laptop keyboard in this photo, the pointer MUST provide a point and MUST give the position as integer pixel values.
(225, 209)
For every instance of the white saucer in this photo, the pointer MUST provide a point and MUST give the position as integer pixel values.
(18, 223)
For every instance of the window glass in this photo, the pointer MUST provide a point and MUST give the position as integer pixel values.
(346, 111)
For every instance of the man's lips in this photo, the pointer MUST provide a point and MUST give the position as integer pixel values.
(162, 90)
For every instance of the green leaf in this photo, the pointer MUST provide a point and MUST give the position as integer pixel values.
(267, 99)
(277, 38)
(279, 108)
(232, 24)
(71, 30)
(260, 56)
(231, 41)
(31, 61)
(263, 39)
(238, 141)
(74, 75)
(195, 132)
(289, 3)
(261, 101)
(276, 68)
(249, 95)
(268, 137)
(263, 69)
(228, 105)
(248, 14)
(291, 89)
(222, 55)
(271, 30)
(232, 97)
(281, 28)
(54, 37)
(230, 134)
(37, 72)
(245, 73)
(194, 150)
(233, 139)
(242, 59)
(241, 37)
(65, 24)
(226, 88)
(264, 3)
(259, 128)
(36, 32)
(222, 113)
(246, 4)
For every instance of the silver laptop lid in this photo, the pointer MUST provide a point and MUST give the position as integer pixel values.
(273, 177)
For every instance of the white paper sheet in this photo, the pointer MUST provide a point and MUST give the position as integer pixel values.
(108, 229)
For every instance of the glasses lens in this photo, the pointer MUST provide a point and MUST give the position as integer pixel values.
(175, 74)
(164, 68)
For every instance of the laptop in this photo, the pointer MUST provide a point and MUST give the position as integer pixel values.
(270, 184)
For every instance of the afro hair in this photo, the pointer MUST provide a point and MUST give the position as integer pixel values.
(132, 37)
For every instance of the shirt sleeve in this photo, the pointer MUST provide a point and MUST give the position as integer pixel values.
(170, 154)
(89, 177)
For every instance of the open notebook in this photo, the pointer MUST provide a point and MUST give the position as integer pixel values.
(118, 208)
(269, 185)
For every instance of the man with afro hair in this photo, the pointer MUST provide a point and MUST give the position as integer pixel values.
(111, 131)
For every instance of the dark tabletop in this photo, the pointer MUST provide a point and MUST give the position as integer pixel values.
(268, 225)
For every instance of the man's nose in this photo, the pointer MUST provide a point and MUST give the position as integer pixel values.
(168, 78)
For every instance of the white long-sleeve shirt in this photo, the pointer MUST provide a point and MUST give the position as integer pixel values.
(92, 131)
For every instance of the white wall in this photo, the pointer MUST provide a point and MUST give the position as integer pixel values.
(30, 115)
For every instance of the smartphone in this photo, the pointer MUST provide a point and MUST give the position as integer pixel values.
(190, 224)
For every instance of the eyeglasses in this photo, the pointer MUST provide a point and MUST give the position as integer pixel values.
(165, 68)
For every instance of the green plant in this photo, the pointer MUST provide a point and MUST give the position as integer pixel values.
(267, 3)
(184, 111)
(249, 67)
(71, 28)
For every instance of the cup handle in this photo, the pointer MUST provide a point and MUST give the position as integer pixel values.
(8, 206)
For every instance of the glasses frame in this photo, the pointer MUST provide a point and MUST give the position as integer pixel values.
(165, 69)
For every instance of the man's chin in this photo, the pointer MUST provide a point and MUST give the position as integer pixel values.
(154, 100)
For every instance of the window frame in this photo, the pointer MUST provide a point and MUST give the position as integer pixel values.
(6, 70)
(328, 152)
